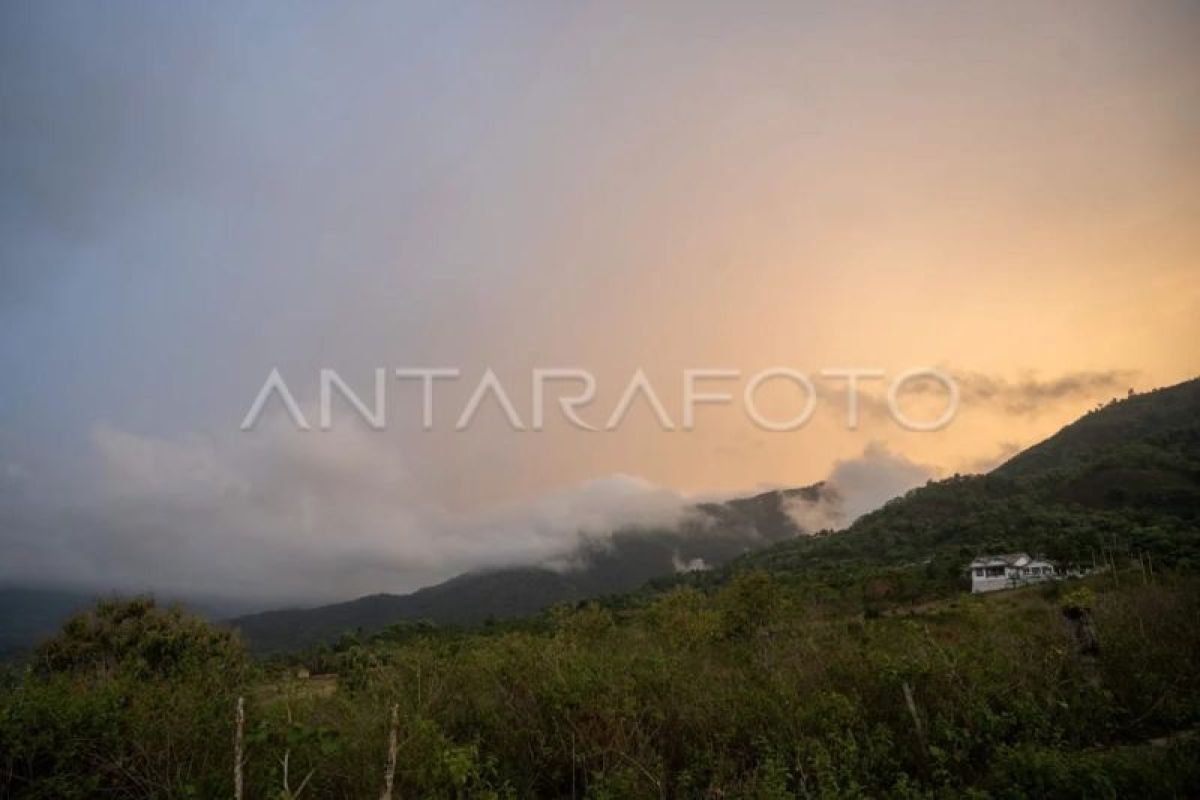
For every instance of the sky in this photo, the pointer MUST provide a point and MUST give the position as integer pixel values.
(194, 195)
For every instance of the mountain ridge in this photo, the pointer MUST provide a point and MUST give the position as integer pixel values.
(1130, 468)
(709, 535)
(1127, 472)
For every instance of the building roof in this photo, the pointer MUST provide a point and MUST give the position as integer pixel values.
(1009, 560)
(1002, 560)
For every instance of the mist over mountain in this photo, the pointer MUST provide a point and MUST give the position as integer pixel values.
(1125, 476)
(607, 535)
(706, 535)
(1132, 466)
(709, 535)
(1129, 465)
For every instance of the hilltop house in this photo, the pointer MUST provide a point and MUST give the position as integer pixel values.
(1008, 570)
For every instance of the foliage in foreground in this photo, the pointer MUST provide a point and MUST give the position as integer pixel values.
(749, 692)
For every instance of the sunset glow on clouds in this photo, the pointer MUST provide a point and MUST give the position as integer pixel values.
(196, 195)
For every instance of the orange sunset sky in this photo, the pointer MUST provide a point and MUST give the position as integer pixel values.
(195, 196)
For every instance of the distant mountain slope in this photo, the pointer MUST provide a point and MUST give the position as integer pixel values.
(712, 535)
(1167, 419)
(1126, 475)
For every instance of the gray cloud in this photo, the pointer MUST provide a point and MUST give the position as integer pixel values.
(280, 515)
(856, 486)
(1025, 396)
(1030, 395)
(193, 193)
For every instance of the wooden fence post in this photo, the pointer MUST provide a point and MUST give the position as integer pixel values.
(916, 718)
(237, 749)
(389, 774)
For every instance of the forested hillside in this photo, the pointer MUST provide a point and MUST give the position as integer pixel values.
(760, 689)
(1124, 478)
(840, 665)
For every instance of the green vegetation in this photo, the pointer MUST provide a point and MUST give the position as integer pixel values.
(128, 700)
(750, 691)
(1123, 480)
(840, 665)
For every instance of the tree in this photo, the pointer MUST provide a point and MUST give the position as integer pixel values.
(747, 603)
(139, 638)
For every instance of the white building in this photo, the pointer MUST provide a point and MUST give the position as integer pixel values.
(1007, 571)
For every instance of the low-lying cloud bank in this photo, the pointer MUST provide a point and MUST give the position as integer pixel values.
(280, 516)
